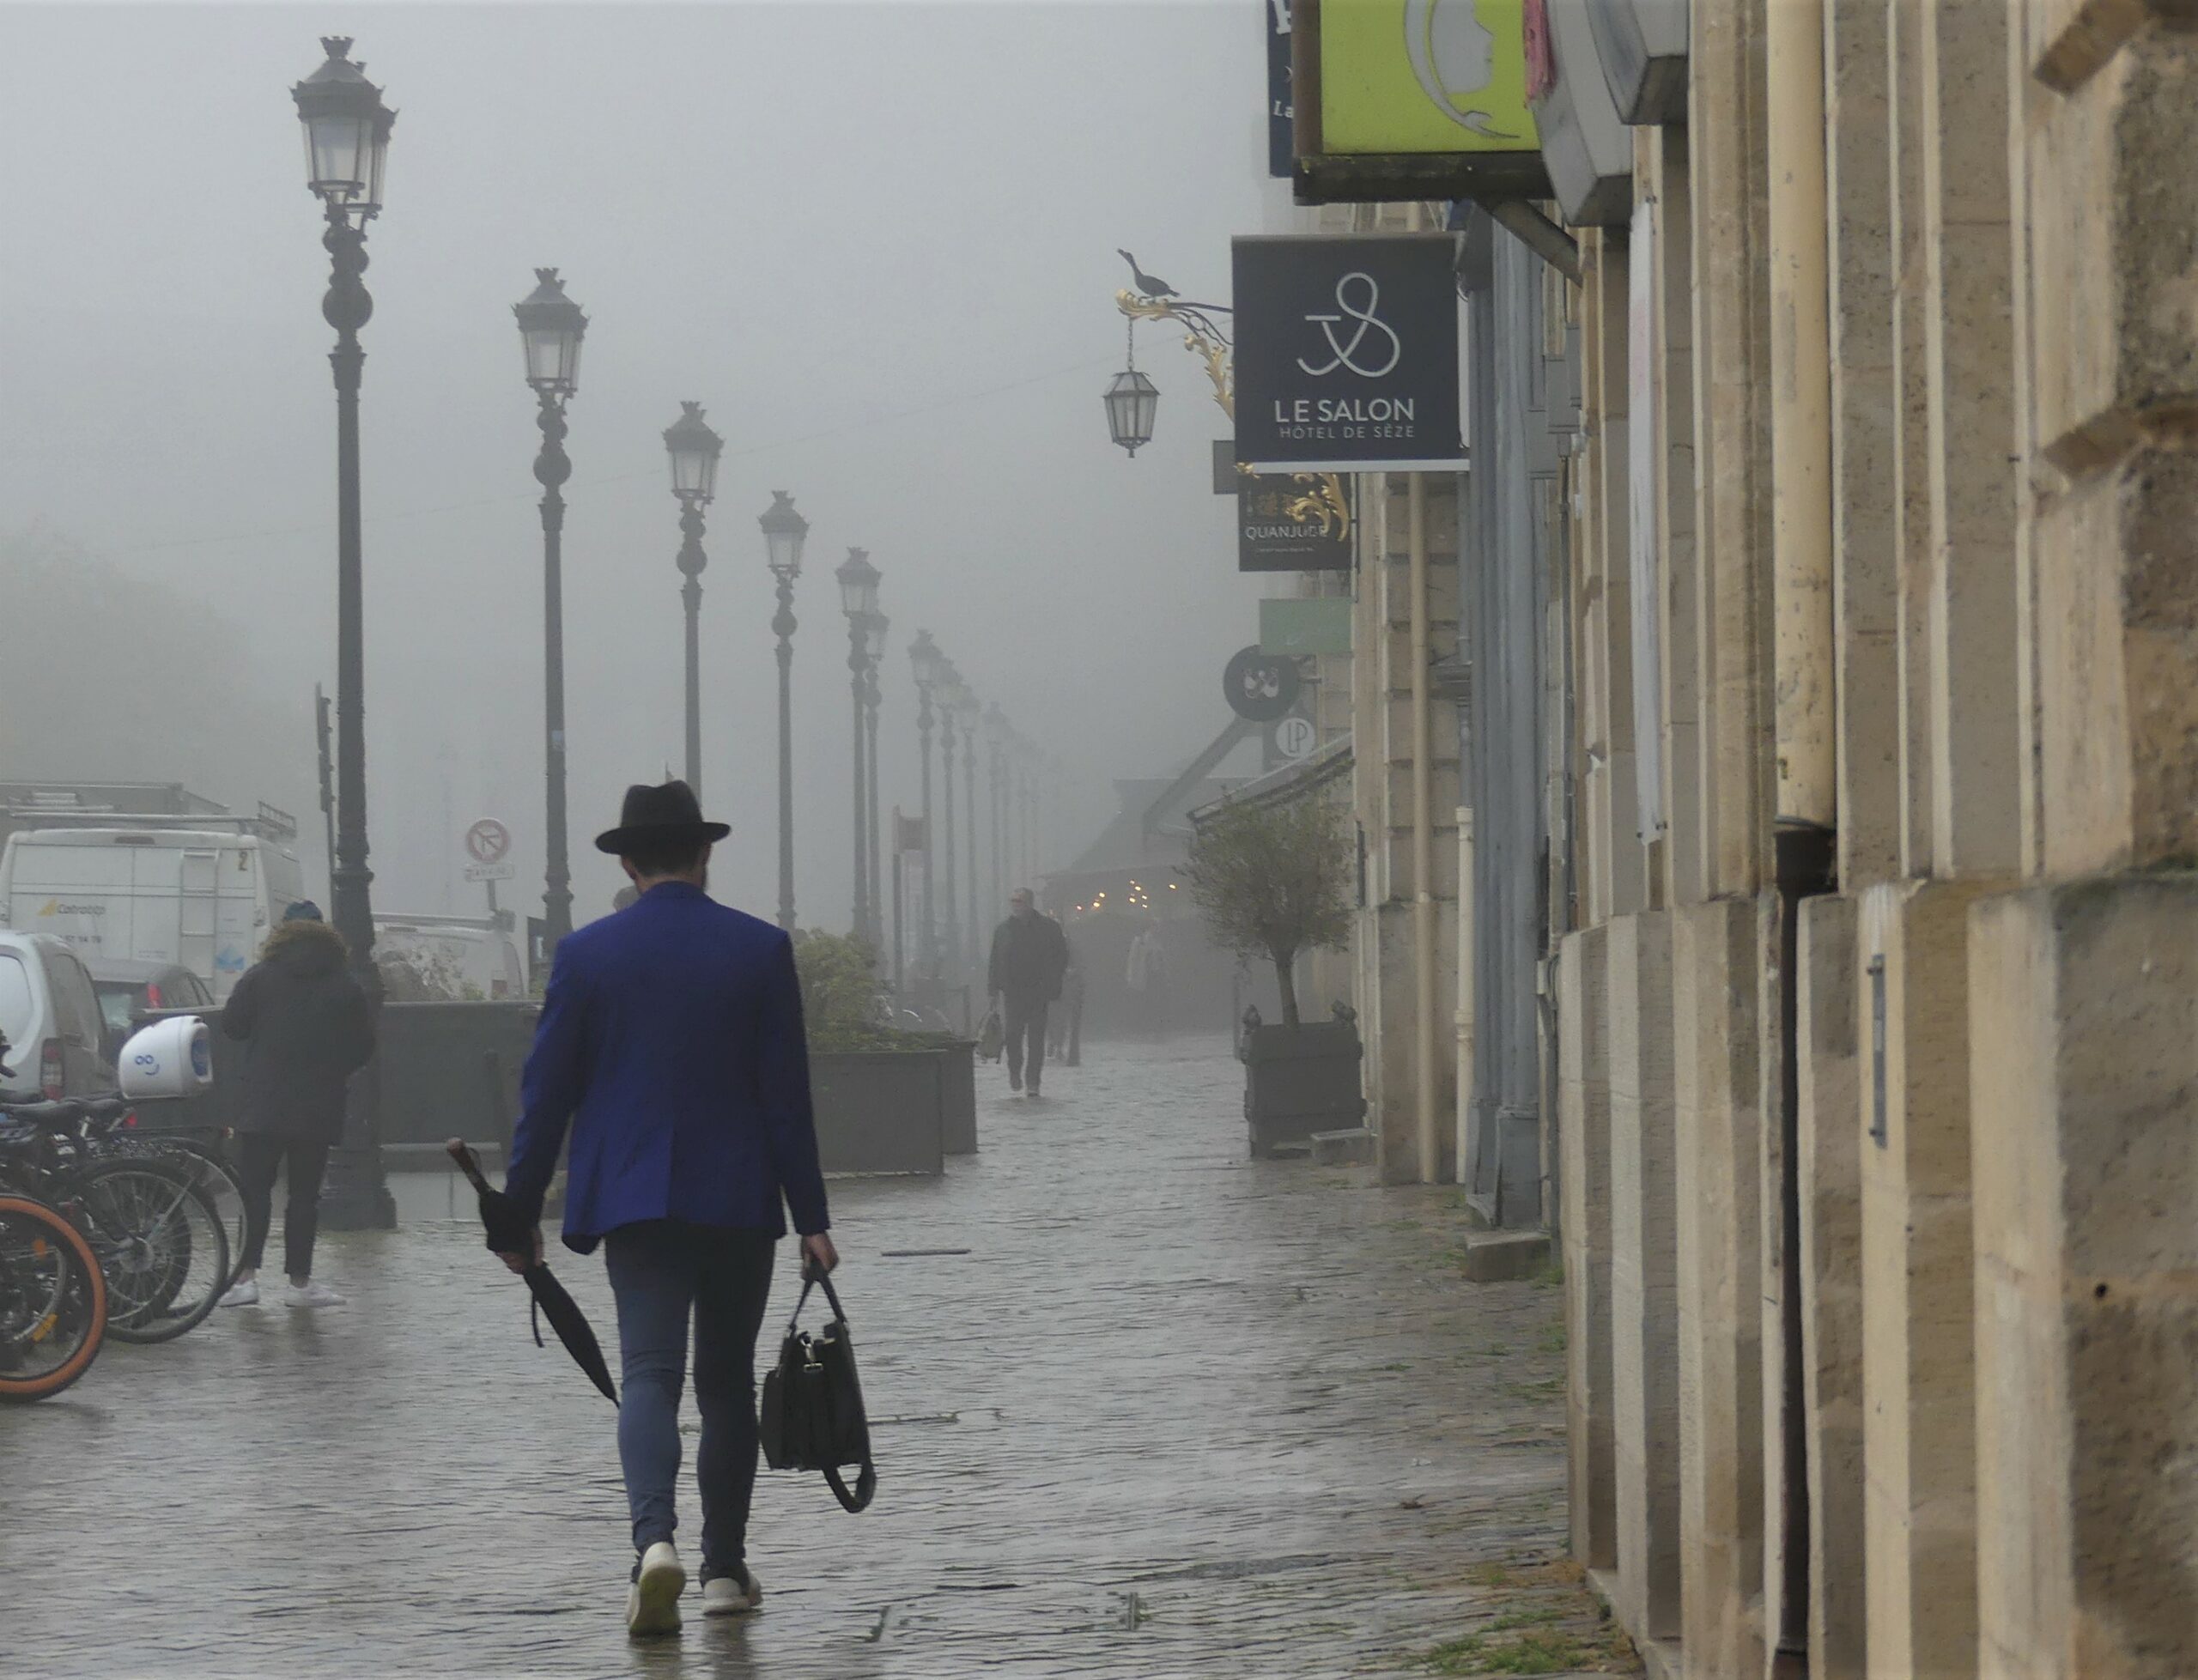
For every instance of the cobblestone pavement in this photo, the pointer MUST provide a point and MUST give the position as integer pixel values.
(1175, 1413)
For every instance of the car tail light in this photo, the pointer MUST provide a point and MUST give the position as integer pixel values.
(130, 1117)
(50, 1076)
(152, 994)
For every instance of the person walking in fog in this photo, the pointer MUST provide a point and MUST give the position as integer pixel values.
(671, 1044)
(306, 1029)
(1029, 956)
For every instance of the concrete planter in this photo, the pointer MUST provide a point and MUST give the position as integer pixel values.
(881, 1111)
(958, 1072)
(1300, 1080)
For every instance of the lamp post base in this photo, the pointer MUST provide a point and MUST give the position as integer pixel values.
(356, 1195)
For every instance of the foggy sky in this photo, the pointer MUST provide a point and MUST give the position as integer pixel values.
(877, 241)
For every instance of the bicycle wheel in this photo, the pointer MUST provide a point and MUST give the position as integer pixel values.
(211, 1171)
(52, 1300)
(160, 1243)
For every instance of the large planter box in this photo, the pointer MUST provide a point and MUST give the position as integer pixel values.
(880, 1110)
(1301, 1080)
(447, 1070)
(958, 1091)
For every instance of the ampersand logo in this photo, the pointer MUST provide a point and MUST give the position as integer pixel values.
(1345, 355)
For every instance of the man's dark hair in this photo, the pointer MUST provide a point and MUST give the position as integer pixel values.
(666, 857)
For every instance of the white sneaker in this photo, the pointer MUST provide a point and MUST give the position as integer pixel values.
(653, 1601)
(314, 1294)
(245, 1294)
(733, 1595)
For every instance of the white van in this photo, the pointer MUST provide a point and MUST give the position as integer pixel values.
(447, 958)
(203, 897)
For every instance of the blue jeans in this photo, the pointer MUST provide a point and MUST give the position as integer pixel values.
(660, 1270)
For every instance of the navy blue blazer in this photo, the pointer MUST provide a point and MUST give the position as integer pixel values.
(672, 1043)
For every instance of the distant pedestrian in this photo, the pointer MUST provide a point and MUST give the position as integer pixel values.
(1029, 957)
(306, 1029)
(1146, 976)
(671, 1044)
(1065, 1025)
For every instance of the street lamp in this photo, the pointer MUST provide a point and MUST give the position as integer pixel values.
(873, 698)
(550, 328)
(347, 130)
(952, 692)
(783, 531)
(967, 713)
(858, 580)
(927, 662)
(1131, 400)
(996, 734)
(694, 449)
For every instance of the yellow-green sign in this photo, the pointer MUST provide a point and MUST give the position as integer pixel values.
(1401, 76)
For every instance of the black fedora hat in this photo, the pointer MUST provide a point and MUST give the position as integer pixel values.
(657, 816)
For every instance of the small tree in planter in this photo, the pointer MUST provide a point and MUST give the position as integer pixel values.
(1275, 879)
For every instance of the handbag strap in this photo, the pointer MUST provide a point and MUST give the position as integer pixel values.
(866, 1485)
(811, 1278)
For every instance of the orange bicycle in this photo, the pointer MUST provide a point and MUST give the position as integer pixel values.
(52, 1300)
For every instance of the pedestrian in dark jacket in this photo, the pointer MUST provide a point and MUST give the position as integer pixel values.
(306, 1030)
(1029, 956)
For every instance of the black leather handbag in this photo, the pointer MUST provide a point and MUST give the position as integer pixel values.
(812, 1414)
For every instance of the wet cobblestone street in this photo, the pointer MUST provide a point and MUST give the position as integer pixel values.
(1175, 1413)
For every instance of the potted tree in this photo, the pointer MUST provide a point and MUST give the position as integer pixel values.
(1273, 881)
(886, 1100)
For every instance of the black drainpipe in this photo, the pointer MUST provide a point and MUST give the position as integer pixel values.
(1806, 864)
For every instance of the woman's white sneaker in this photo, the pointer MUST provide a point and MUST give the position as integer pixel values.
(653, 1601)
(315, 1293)
(735, 1593)
(245, 1294)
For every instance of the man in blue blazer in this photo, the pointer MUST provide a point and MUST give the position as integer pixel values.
(671, 1045)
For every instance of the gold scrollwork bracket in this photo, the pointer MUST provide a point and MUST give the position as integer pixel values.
(1219, 367)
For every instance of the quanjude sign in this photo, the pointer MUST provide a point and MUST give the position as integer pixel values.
(1347, 354)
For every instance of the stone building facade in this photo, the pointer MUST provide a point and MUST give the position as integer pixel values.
(1877, 1037)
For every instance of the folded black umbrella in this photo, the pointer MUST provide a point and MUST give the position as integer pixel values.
(550, 1296)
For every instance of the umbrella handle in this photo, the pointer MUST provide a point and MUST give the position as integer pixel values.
(468, 1163)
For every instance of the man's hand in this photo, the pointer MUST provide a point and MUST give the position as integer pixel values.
(519, 1263)
(817, 1252)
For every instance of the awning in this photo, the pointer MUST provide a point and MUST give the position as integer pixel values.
(1314, 771)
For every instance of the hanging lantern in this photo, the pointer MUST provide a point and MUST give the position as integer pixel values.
(1130, 401)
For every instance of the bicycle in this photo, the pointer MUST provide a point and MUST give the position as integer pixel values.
(158, 1237)
(53, 1303)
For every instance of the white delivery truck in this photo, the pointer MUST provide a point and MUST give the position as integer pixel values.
(201, 895)
(427, 959)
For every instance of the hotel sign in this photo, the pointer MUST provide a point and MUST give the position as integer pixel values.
(1347, 354)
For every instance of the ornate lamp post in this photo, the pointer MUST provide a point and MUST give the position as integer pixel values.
(347, 130)
(873, 698)
(694, 449)
(550, 327)
(967, 713)
(928, 663)
(952, 692)
(859, 600)
(996, 734)
(784, 532)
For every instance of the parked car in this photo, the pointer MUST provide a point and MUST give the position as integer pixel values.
(50, 1017)
(128, 990)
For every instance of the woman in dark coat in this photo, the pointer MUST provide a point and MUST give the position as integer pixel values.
(306, 1029)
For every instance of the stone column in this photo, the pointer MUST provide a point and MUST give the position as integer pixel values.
(2084, 1017)
(1919, 1336)
(1719, 954)
(1830, 1135)
(1645, 1228)
(1864, 522)
(1584, 1178)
